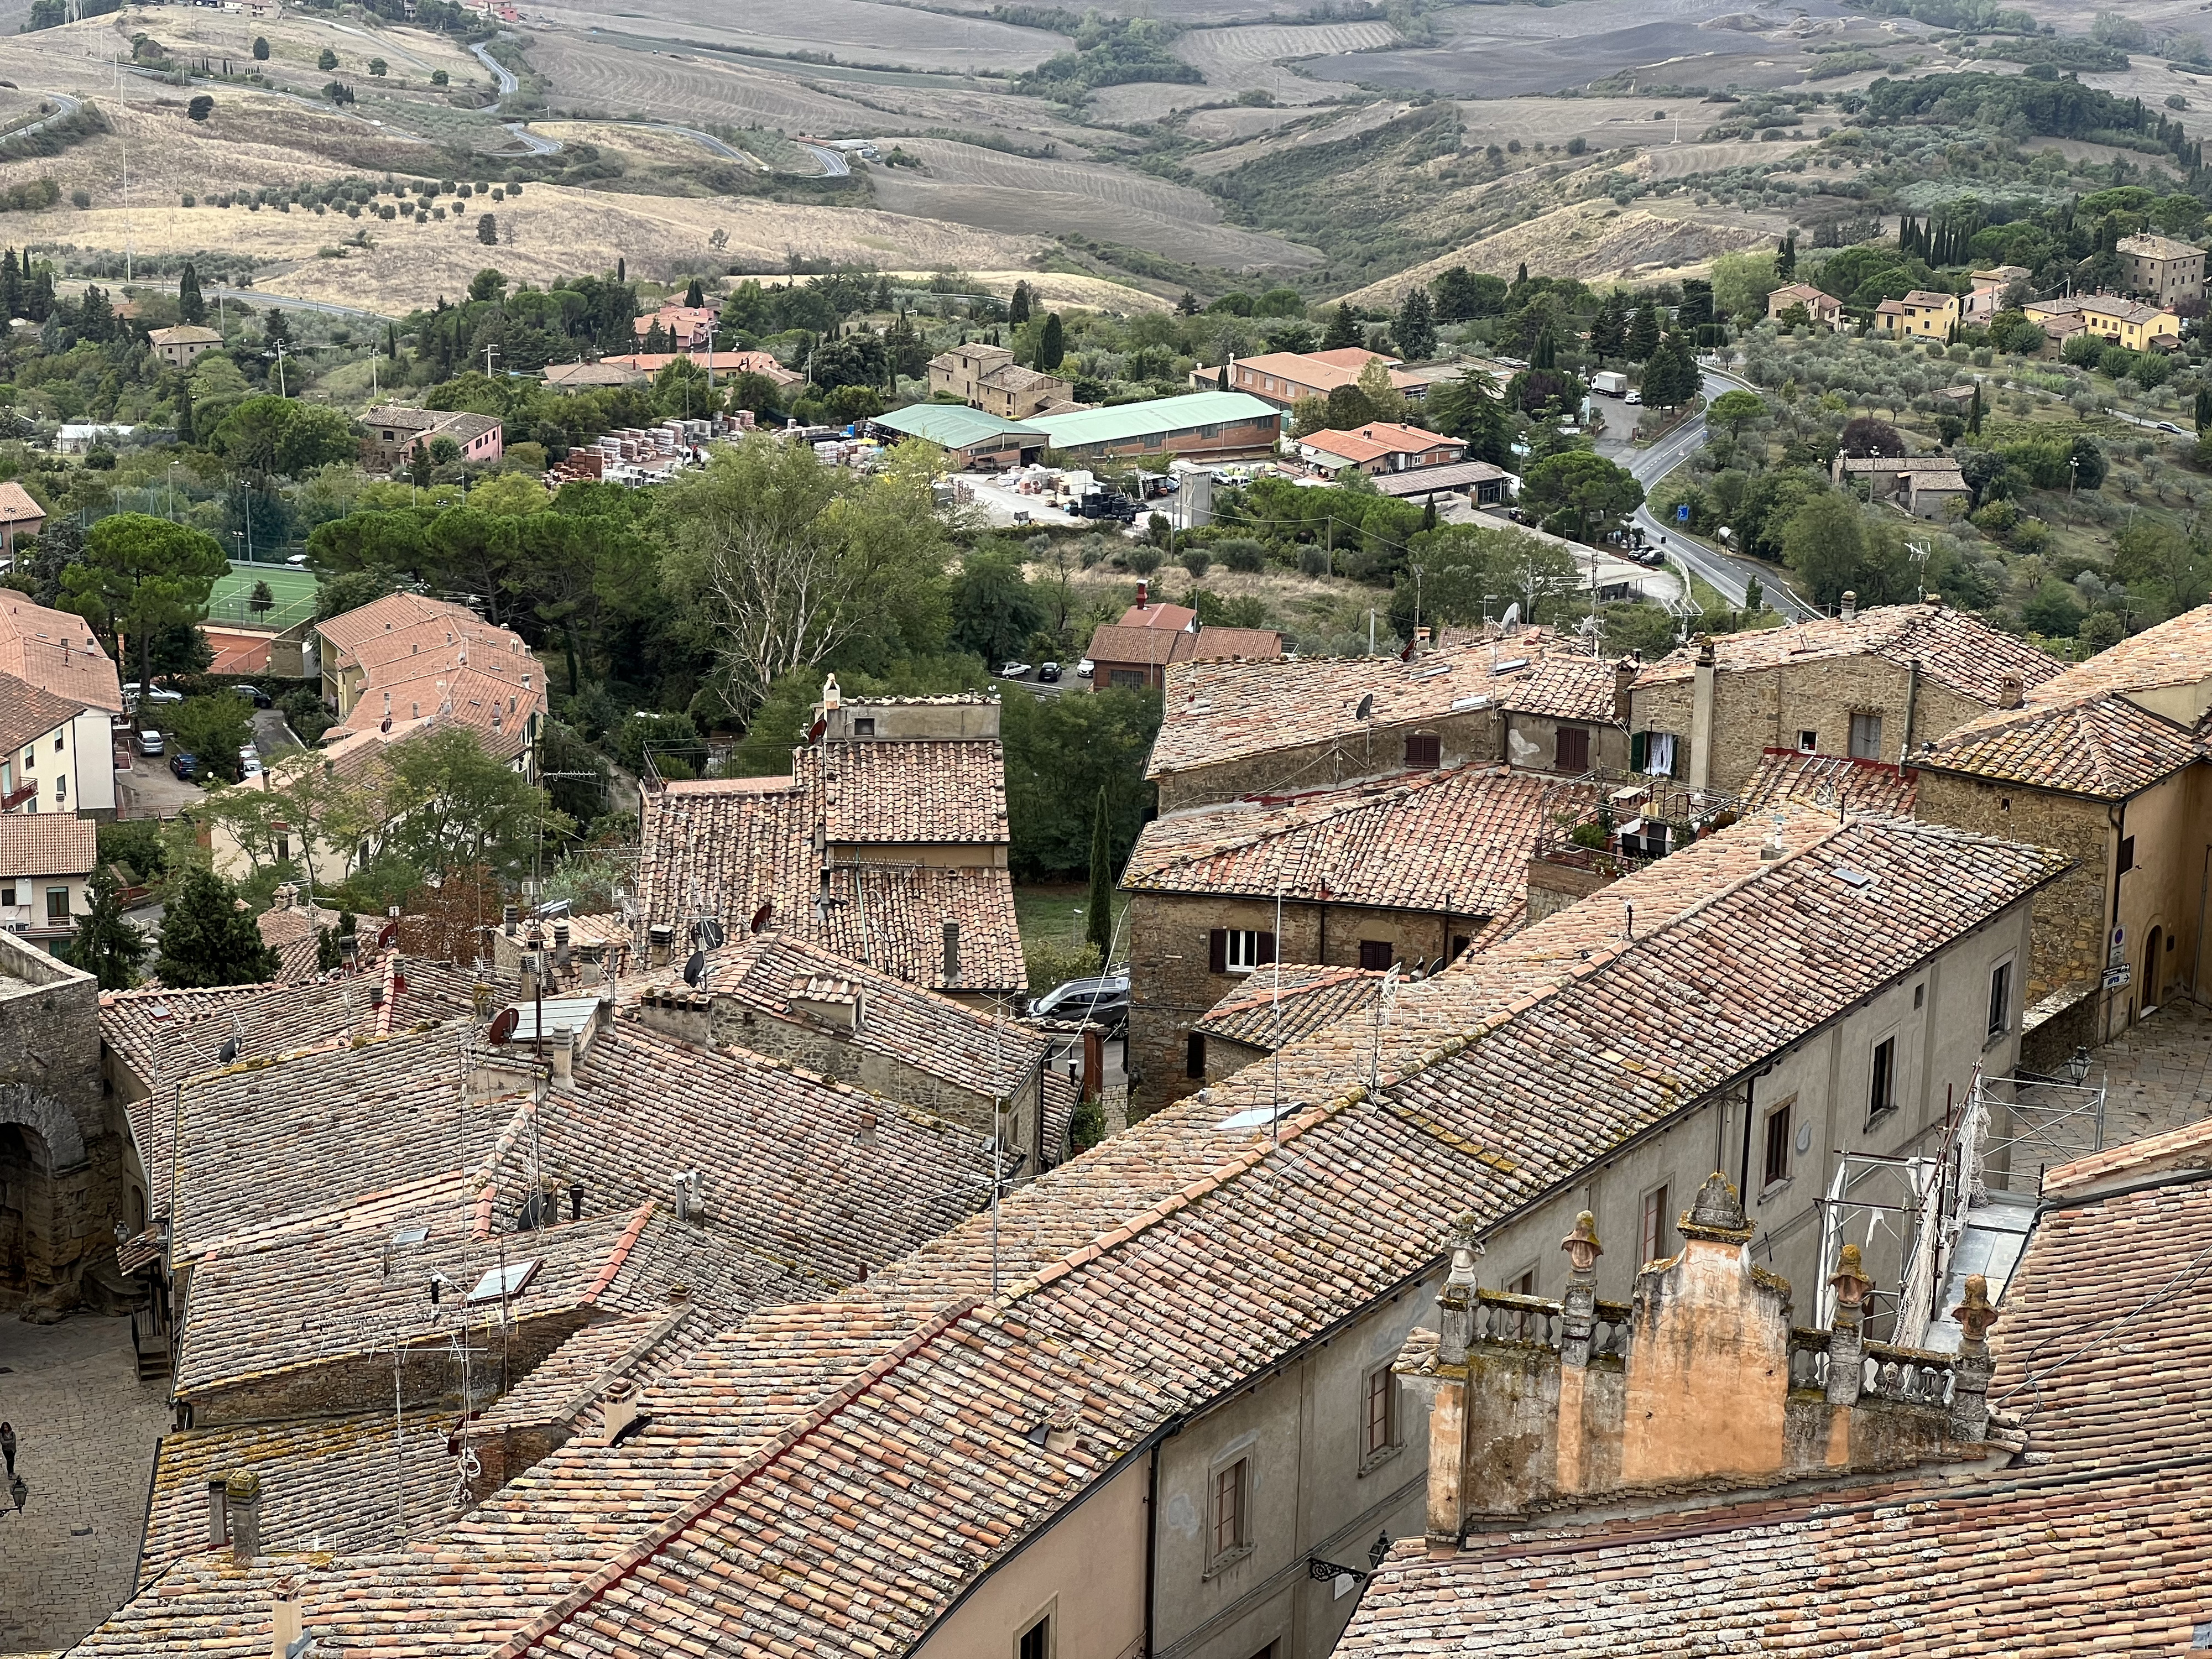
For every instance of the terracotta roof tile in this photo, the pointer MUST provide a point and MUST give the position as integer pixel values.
(1311, 997)
(1830, 780)
(57, 653)
(27, 713)
(2104, 745)
(47, 844)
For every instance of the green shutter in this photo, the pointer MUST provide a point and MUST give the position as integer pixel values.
(1636, 750)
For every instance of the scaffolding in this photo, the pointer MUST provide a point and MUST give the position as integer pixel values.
(1912, 1216)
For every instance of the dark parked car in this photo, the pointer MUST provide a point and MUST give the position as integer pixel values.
(1105, 1000)
(1049, 671)
(184, 766)
(254, 694)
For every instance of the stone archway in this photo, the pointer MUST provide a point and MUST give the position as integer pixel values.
(26, 1209)
(49, 1119)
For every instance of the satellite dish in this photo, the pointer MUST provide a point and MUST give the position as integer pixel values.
(1366, 706)
(1512, 615)
(386, 726)
(228, 1052)
(760, 916)
(707, 933)
(695, 971)
(387, 933)
(814, 732)
(503, 1025)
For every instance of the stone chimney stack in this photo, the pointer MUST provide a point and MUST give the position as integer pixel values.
(2012, 690)
(659, 943)
(951, 953)
(218, 1512)
(242, 1493)
(1624, 684)
(1850, 604)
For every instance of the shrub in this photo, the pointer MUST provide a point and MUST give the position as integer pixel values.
(439, 78)
(1313, 562)
(1144, 559)
(1241, 553)
(189, 201)
(80, 199)
(2118, 361)
(200, 107)
(1198, 561)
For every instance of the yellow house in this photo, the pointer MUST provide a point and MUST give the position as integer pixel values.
(2128, 323)
(1920, 314)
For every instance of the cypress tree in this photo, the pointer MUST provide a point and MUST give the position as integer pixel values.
(2203, 408)
(191, 307)
(1974, 412)
(694, 296)
(1098, 918)
(185, 413)
(1052, 343)
(1017, 308)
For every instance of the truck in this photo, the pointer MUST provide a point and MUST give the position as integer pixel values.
(1609, 383)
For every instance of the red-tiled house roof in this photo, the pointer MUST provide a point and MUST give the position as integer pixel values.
(47, 844)
(1830, 780)
(57, 653)
(1310, 997)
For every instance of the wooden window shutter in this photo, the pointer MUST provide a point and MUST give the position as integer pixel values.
(1217, 951)
(1267, 949)
(1681, 766)
(1636, 751)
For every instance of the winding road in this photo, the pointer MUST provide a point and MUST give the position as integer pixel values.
(64, 106)
(1729, 574)
(508, 85)
(834, 164)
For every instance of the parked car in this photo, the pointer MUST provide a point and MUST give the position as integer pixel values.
(1105, 1000)
(298, 561)
(1049, 671)
(1012, 671)
(2168, 426)
(1634, 398)
(249, 762)
(254, 694)
(184, 766)
(147, 742)
(1083, 669)
(157, 694)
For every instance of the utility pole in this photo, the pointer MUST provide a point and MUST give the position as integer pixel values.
(489, 351)
(710, 368)
(280, 368)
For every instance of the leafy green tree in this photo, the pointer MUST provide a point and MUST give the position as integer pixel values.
(2087, 457)
(208, 938)
(1098, 914)
(108, 945)
(378, 68)
(327, 952)
(1830, 545)
(140, 574)
(1643, 334)
(283, 437)
(1061, 754)
(488, 230)
(995, 610)
(1581, 492)
(326, 60)
(450, 805)
(1736, 409)
(1471, 407)
(215, 728)
(1462, 295)
(260, 49)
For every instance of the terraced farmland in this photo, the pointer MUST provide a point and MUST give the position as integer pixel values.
(1250, 58)
(850, 31)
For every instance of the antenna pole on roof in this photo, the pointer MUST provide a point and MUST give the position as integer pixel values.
(399, 1437)
(998, 1128)
(1275, 1033)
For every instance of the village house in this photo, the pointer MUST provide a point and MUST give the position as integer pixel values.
(1986, 290)
(1380, 446)
(1139, 649)
(1524, 697)
(888, 843)
(675, 327)
(988, 377)
(184, 344)
(1273, 1008)
(1481, 482)
(2108, 761)
(61, 1191)
(59, 695)
(1964, 1496)
(395, 432)
(969, 437)
(1244, 1271)
(1925, 486)
(1405, 873)
(45, 862)
(2160, 268)
(1824, 310)
(1870, 685)
(2128, 323)
(1919, 315)
(1286, 378)
(728, 364)
(21, 517)
(573, 378)
(1201, 426)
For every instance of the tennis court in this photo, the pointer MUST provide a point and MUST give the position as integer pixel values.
(293, 589)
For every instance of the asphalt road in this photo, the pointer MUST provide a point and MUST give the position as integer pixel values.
(64, 106)
(507, 84)
(1727, 573)
(834, 164)
(254, 296)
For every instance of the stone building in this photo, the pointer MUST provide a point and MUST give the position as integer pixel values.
(183, 344)
(1867, 685)
(1405, 873)
(1981, 1498)
(887, 844)
(2108, 761)
(988, 377)
(2161, 269)
(397, 431)
(1521, 697)
(61, 1146)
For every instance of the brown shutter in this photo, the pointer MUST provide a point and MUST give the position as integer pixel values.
(1267, 952)
(1217, 951)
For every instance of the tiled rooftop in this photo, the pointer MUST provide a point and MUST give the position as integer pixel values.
(1456, 841)
(38, 844)
(27, 713)
(2096, 1540)
(2103, 745)
(1311, 996)
(904, 794)
(1830, 780)
(1955, 648)
(947, 1039)
(1225, 711)
(57, 652)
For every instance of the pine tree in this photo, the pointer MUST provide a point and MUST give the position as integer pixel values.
(1643, 334)
(1343, 330)
(277, 330)
(1189, 304)
(1609, 328)
(1416, 326)
(208, 939)
(694, 296)
(191, 307)
(1098, 917)
(107, 944)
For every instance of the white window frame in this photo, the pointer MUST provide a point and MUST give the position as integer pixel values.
(2003, 1027)
(1241, 950)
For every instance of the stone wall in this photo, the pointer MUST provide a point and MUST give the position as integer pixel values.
(1475, 737)
(1171, 983)
(62, 1147)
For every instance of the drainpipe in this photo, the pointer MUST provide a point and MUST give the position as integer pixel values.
(1911, 709)
(1151, 1543)
(2119, 823)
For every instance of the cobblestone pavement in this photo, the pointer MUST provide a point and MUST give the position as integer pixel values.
(85, 1430)
(2159, 1075)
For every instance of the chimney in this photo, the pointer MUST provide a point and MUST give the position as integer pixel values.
(866, 1136)
(564, 1061)
(1623, 682)
(1703, 691)
(218, 1513)
(560, 945)
(2012, 690)
(532, 965)
(951, 953)
(376, 993)
(284, 1623)
(242, 1493)
(1850, 603)
(508, 918)
(575, 1200)
(1144, 593)
(688, 1207)
(659, 943)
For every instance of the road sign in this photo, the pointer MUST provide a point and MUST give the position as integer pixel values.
(2119, 978)
(1682, 513)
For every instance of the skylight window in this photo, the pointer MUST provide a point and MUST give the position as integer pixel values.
(1256, 1117)
(1511, 664)
(1851, 878)
(1461, 705)
(502, 1283)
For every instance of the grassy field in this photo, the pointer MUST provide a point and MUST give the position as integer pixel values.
(293, 589)
(1046, 913)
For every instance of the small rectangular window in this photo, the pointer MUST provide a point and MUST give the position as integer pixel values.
(1380, 1424)
(1654, 1224)
(1778, 1146)
(8, 893)
(2127, 853)
(1881, 1088)
(1375, 954)
(1866, 737)
(57, 904)
(864, 726)
(1229, 1503)
(1240, 949)
(1807, 742)
(1193, 1056)
(57, 743)
(1424, 749)
(1571, 749)
(2001, 999)
(1036, 1641)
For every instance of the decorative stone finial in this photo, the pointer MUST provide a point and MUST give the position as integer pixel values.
(243, 1487)
(1850, 1280)
(1464, 1238)
(1975, 1315)
(1581, 1245)
(1717, 1215)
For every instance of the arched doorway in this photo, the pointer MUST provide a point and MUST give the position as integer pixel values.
(27, 1202)
(2154, 960)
